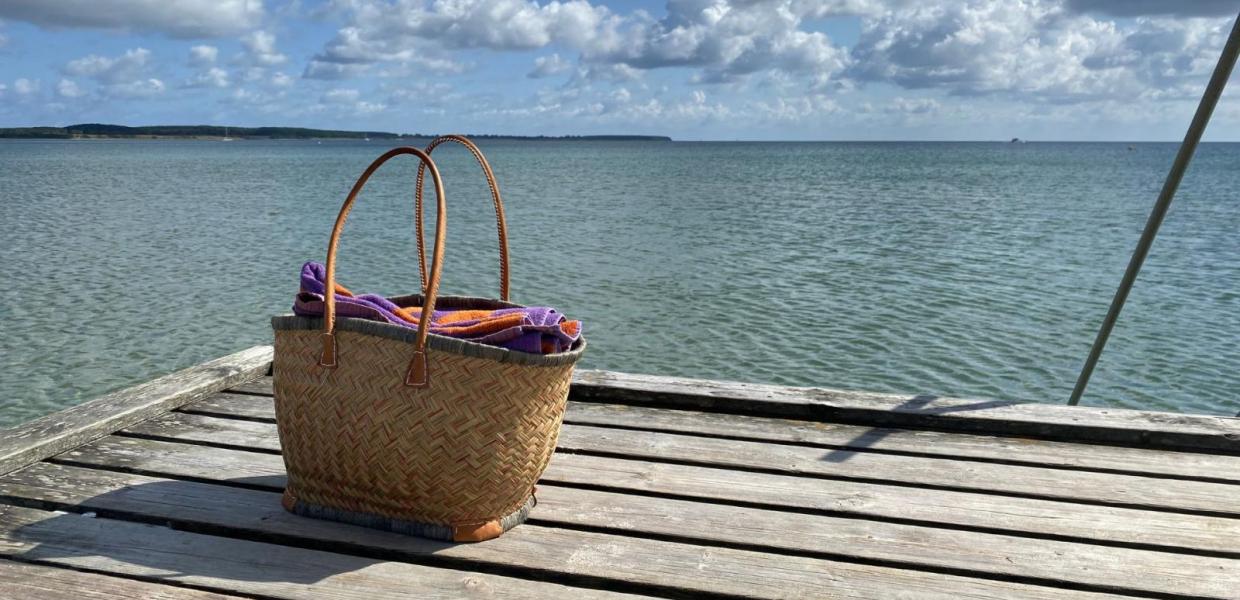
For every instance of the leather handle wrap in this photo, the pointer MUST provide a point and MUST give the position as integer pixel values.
(417, 375)
(500, 224)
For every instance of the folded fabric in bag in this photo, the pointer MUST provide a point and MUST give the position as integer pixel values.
(534, 329)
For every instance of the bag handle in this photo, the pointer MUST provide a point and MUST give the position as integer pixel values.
(500, 224)
(417, 375)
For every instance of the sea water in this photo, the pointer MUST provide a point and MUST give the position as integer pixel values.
(958, 269)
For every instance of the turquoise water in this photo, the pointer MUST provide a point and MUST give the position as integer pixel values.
(965, 269)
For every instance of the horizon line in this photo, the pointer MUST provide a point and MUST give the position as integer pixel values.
(653, 135)
(567, 137)
(1016, 140)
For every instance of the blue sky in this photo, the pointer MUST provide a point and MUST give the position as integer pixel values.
(692, 69)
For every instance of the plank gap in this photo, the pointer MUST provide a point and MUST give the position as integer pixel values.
(896, 520)
(1121, 428)
(249, 392)
(1014, 451)
(206, 412)
(651, 458)
(725, 406)
(366, 551)
(394, 555)
(905, 484)
(711, 501)
(68, 462)
(176, 440)
(848, 448)
(894, 564)
(928, 412)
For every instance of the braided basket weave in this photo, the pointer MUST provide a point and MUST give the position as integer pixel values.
(400, 429)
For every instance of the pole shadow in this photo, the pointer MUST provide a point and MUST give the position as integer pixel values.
(917, 405)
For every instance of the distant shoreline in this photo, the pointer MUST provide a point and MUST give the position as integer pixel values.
(88, 131)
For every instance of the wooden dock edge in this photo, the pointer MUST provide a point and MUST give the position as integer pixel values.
(1147, 429)
(72, 427)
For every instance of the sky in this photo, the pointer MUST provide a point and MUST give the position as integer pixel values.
(690, 69)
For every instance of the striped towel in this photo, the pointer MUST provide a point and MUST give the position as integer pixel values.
(535, 329)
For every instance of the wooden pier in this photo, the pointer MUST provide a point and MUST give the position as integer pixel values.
(661, 487)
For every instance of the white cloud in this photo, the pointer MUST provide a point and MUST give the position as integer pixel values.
(201, 56)
(251, 74)
(341, 96)
(121, 69)
(726, 40)
(917, 106)
(422, 95)
(26, 87)
(643, 109)
(350, 100)
(1166, 57)
(546, 66)
(208, 75)
(265, 101)
(351, 54)
(792, 110)
(181, 19)
(247, 96)
(332, 71)
(421, 66)
(423, 89)
(67, 88)
(723, 65)
(1132, 8)
(494, 24)
(124, 76)
(1038, 50)
(617, 73)
(1034, 48)
(261, 47)
(214, 77)
(142, 88)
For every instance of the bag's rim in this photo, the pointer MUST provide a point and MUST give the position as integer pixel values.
(434, 341)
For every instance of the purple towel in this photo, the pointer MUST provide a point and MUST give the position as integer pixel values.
(535, 329)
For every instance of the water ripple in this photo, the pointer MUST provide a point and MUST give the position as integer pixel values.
(960, 269)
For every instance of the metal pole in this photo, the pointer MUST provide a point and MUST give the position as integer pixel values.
(1222, 71)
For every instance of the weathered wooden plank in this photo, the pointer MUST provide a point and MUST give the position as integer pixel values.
(1052, 421)
(1052, 562)
(260, 386)
(610, 560)
(238, 406)
(1068, 486)
(1071, 486)
(834, 436)
(931, 508)
(23, 581)
(956, 445)
(1148, 429)
(246, 567)
(44, 437)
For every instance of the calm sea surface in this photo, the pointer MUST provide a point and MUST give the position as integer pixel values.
(968, 269)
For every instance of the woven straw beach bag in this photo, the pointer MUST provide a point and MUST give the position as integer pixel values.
(398, 429)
